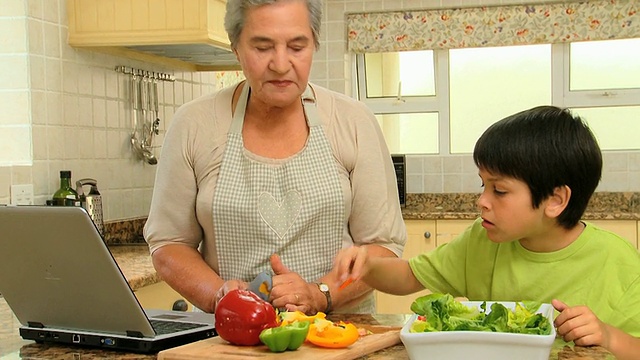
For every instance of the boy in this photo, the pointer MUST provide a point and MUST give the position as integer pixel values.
(539, 169)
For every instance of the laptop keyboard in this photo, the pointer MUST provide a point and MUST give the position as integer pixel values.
(167, 327)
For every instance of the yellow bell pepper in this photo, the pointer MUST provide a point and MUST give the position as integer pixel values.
(325, 333)
(288, 317)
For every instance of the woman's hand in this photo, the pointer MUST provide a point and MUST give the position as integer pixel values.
(291, 292)
(228, 286)
(580, 325)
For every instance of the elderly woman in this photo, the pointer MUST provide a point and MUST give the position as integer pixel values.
(273, 174)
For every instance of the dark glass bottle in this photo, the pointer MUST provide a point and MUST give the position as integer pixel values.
(66, 196)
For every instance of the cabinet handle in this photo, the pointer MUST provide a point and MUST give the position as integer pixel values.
(427, 234)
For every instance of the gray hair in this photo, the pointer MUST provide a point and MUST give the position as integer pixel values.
(236, 12)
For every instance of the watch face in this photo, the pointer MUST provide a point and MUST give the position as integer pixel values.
(324, 287)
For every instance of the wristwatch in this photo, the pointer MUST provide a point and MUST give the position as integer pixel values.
(324, 289)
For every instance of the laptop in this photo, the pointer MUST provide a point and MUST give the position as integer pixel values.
(64, 286)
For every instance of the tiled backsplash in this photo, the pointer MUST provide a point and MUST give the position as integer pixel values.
(75, 110)
(458, 173)
(71, 107)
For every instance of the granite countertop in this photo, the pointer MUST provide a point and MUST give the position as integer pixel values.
(602, 206)
(135, 263)
(431, 206)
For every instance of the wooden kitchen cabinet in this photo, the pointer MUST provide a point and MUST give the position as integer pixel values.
(628, 229)
(447, 230)
(420, 238)
(187, 34)
(425, 235)
(159, 296)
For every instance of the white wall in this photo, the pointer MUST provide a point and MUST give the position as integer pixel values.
(75, 105)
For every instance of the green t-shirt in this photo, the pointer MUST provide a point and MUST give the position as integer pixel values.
(600, 270)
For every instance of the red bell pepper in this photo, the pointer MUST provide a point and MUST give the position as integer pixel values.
(241, 315)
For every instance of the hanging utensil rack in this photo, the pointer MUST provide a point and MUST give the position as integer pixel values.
(144, 106)
(145, 73)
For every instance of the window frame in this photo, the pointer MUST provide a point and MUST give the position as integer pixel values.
(587, 98)
(561, 95)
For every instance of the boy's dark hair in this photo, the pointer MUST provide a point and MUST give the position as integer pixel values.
(546, 147)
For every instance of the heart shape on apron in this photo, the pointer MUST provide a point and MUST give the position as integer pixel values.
(280, 215)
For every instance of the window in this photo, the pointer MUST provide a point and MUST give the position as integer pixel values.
(409, 73)
(413, 133)
(488, 84)
(589, 59)
(402, 89)
(440, 102)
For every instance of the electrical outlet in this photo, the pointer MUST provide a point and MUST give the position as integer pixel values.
(22, 194)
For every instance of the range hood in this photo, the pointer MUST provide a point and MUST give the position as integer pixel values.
(202, 56)
(183, 34)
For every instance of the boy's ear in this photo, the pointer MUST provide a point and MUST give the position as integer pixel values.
(558, 201)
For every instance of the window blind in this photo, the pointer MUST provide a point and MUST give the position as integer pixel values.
(493, 26)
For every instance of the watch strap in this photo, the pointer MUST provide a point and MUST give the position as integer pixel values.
(324, 289)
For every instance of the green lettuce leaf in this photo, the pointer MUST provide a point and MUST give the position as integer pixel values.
(443, 313)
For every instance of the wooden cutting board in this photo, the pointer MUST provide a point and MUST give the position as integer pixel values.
(382, 337)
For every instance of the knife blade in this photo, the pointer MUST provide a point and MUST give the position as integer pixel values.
(261, 285)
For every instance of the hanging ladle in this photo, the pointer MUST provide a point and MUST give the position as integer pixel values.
(150, 101)
(139, 148)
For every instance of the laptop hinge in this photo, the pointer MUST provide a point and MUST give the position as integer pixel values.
(35, 324)
(134, 333)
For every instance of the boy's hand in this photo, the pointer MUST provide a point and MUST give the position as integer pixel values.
(580, 325)
(351, 263)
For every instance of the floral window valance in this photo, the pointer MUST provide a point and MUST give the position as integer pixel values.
(493, 26)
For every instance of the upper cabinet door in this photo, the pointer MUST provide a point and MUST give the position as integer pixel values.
(180, 33)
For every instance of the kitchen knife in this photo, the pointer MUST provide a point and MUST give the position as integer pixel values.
(261, 285)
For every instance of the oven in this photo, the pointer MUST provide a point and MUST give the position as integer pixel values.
(400, 165)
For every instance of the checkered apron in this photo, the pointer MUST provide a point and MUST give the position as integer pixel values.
(294, 208)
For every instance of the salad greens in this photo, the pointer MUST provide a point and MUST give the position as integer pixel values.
(441, 312)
